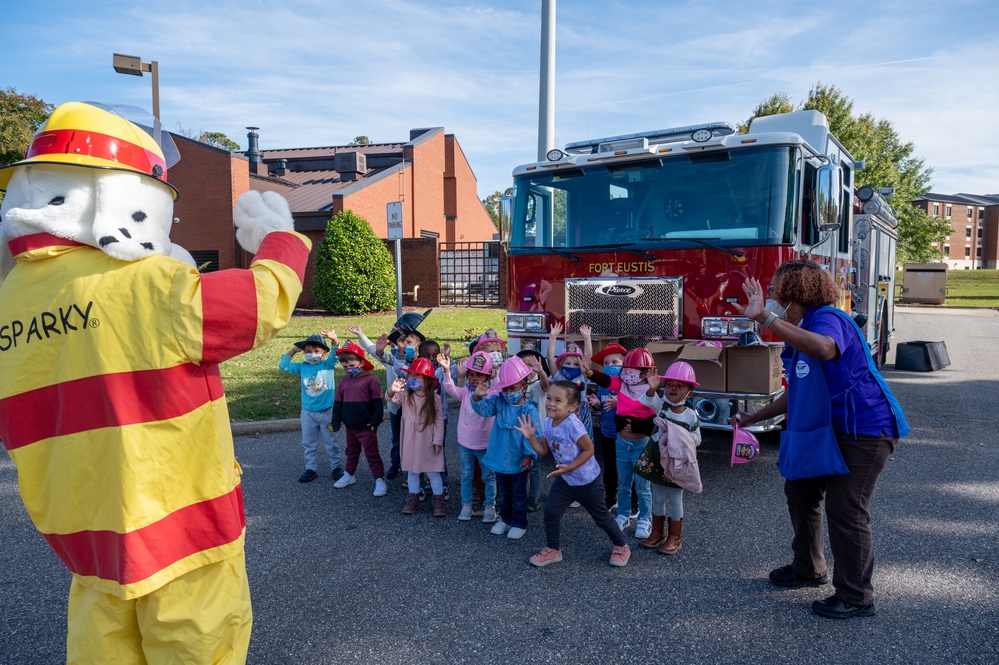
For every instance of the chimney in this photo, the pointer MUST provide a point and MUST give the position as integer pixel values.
(252, 151)
(281, 167)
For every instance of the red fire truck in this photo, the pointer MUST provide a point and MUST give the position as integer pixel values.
(649, 237)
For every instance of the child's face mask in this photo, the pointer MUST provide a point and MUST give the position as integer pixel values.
(631, 376)
(571, 372)
(612, 370)
(409, 352)
(496, 357)
(513, 397)
(313, 358)
(352, 371)
(414, 383)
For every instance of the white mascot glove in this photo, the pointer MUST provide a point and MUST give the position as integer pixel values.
(256, 215)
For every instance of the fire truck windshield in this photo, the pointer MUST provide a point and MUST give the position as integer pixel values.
(737, 197)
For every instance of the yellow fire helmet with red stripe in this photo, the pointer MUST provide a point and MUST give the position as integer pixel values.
(100, 136)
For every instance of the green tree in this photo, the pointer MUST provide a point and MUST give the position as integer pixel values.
(778, 103)
(219, 140)
(354, 269)
(20, 117)
(491, 204)
(360, 140)
(889, 162)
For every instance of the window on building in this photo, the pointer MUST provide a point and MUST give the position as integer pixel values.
(981, 213)
(947, 211)
(936, 209)
(980, 229)
(978, 252)
(967, 233)
(967, 252)
(946, 250)
(971, 212)
(206, 260)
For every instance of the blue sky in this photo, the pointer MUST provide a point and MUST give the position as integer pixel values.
(319, 72)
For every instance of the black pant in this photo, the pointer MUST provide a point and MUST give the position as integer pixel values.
(590, 496)
(511, 498)
(846, 500)
(605, 450)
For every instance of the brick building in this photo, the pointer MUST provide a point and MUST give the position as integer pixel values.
(974, 240)
(429, 174)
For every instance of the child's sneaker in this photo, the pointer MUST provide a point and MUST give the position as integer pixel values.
(623, 521)
(422, 494)
(393, 472)
(381, 489)
(546, 556)
(337, 474)
(643, 529)
(345, 479)
(308, 476)
(499, 528)
(533, 506)
(489, 514)
(466, 512)
(516, 533)
(620, 555)
(574, 504)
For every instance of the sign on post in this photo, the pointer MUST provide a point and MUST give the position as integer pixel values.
(393, 212)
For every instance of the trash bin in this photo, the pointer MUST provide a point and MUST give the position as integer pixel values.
(925, 283)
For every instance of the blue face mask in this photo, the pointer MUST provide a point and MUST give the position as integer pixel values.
(612, 370)
(571, 372)
(414, 384)
(410, 352)
(513, 397)
(353, 371)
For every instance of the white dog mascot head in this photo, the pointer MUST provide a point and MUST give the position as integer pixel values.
(120, 202)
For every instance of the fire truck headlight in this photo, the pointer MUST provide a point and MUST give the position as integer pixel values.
(535, 323)
(554, 155)
(712, 327)
(738, 326)
(515, 322)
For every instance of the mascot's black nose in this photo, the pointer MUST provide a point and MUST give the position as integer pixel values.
(107, 240)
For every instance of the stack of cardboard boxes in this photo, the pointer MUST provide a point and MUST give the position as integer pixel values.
(752, 370)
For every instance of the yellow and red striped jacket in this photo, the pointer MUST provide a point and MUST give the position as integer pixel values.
(111, 402)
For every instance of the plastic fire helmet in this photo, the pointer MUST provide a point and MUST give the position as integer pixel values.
(745, 447)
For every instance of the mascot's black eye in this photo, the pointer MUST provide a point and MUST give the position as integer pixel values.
(125, 233)
(148, 245)
(57, 201)
(139, 216)
(106, 240)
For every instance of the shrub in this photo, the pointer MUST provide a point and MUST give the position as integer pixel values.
(354, 270)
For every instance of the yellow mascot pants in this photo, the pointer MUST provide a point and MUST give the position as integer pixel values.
(203, 616)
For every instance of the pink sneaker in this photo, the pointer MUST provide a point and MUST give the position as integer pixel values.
(546, 556)
(619, 555)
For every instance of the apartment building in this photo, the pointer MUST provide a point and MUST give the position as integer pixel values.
(974, 218)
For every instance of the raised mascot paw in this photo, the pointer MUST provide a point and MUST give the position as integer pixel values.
(256, 215)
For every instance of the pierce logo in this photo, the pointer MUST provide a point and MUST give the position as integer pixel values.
(619, 290)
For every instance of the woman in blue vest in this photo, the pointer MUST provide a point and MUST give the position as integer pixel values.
(842, 424)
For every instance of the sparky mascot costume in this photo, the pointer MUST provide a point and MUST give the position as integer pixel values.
(111, 402)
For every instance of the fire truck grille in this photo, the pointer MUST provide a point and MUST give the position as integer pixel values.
(641, 307)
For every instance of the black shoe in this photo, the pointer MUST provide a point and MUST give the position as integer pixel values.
(532, 505)
(308, 476)
(337, 474)
(787, 578)
(393, 472)
(834, 608)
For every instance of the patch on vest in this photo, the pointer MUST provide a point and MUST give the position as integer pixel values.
(801, 369)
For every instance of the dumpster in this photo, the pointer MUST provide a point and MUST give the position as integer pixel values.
(925, 283)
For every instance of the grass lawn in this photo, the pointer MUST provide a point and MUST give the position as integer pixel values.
(969, 288)
(257, 390)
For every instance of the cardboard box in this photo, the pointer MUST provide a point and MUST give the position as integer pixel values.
(753, 369)
(708, 363)
(664, 353)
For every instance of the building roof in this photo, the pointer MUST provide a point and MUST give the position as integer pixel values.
(963, 199)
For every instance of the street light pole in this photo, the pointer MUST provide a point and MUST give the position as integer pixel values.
(133, 66)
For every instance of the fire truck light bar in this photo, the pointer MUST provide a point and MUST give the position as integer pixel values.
(674, 134)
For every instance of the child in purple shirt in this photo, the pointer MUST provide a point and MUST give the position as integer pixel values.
(577, 474)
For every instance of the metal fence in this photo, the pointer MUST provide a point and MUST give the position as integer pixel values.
(470, 273)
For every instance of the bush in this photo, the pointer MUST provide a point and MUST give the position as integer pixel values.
(354, 269)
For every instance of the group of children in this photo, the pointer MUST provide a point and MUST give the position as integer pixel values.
(641, 441)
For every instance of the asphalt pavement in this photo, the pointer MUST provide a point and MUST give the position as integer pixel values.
(339, 576)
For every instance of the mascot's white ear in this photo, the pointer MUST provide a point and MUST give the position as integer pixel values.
(181, 254)
(132, 217)
(256, 215)
(51, 199)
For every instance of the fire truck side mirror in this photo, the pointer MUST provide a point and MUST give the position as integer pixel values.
(505, 210)
(828, 190)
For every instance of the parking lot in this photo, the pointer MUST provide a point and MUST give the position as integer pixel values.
(338, 576)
